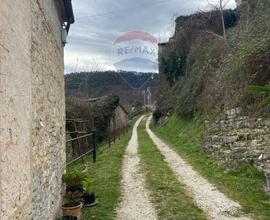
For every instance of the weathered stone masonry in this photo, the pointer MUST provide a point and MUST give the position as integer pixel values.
(48, 152)
(235, 138)
(32, 112)
(15, 109)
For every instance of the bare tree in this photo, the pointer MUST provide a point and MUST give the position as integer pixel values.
(220, 5)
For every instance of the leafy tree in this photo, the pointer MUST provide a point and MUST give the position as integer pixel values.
(174, 66)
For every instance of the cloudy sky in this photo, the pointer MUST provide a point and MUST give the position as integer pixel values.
(100, 22)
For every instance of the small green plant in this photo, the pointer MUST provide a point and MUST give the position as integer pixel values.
(74, 189)
(74, 177)
(264, 90)
(88, 184)
(73, 198)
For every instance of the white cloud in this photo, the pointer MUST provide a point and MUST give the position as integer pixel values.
(91, 38)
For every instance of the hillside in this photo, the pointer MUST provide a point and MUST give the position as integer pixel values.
(204, 74)
(129, 86)
(214, 74)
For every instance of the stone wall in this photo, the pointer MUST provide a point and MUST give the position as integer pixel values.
(235, 138)
(15, 109)
(119, 119)
(48, 101)
(31, 89)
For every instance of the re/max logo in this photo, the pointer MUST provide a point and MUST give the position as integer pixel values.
(136, 50)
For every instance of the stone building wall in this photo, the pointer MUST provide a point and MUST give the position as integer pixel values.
(48, 101)
(119, 120)
(236, 138)
(32, 139)
(15, 109)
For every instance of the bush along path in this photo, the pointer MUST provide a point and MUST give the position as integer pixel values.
(135, 202)
(166, 193)
(215, 204)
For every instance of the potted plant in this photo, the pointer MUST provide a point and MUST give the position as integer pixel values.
(89, 198)
(74, 180)
(72, 204)
(74, 190)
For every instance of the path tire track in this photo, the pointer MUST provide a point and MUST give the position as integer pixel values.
(135, 203)
(214, 203)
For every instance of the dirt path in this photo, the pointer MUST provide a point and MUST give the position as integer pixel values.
(135, 203)
(214, 203)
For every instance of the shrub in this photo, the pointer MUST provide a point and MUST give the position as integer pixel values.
(88, 184)
(74, 178)
(160, 112)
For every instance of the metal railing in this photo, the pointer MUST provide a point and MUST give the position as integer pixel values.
(116, 134)
(91, 140)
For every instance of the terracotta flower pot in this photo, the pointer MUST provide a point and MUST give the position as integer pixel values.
(72, 209)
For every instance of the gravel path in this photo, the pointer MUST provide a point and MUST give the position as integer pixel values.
(214, 203)
(135, 203)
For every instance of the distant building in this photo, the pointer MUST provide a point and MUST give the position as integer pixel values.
(120, 117)
(32, 107)
(119, 120)
(162, 46)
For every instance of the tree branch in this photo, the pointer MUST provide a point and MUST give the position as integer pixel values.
(225, 4)
(213, 4)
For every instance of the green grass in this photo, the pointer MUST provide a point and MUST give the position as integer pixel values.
(245, 184)
(166, 192)
(107, 174)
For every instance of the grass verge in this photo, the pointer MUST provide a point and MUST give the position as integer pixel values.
(245, 184)
(107, 174)
(167, 193)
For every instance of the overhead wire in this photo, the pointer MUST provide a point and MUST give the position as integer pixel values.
(124, 9)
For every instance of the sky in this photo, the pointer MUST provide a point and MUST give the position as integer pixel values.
(98, 23)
